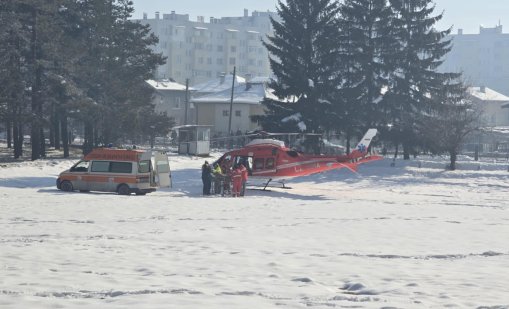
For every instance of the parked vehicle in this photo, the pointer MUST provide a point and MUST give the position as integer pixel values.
(118, 170)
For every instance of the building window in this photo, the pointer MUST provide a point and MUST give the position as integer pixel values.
(238, 114)
(219, 48)
(209, 60)
(219, 61)
(232, 60)
(225, 113)
(233, 49)
(177, 102)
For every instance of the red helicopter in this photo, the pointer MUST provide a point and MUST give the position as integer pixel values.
(270, 160)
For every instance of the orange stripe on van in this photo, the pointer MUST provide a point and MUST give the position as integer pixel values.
(114, 154)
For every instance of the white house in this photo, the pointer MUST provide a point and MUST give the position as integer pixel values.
(170, 98)
(213, 108)
(491, 103)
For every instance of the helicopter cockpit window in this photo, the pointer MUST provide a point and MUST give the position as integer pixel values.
(258, 164)
(293, 153)
(269, 163)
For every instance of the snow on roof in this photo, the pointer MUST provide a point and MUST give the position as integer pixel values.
(487, 94)
(219, 84)
(503, 130)
(165, 85)
(243, 94)
(260, 141)
(260, 80)
(201, 28)
(232, 30)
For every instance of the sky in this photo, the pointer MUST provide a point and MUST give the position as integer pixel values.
(462, 14)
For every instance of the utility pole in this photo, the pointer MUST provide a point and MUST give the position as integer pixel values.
(231, 103)
(187, 100)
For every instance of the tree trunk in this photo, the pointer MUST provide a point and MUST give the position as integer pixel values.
(52, 122)
(454, 156)
(65, 134)
(396, 151)
(56, 128)
(88, 143)
(15, 132)
(35, 132)
(43, 144)
(406, 151)
(8, 125)
(18, 138)
(348, 145)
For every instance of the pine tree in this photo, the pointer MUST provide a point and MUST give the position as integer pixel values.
(14, 70)
(367, 43)
(112, 70)
(304, 58)
(415, 82)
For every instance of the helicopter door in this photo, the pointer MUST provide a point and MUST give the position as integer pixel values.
(247, 161)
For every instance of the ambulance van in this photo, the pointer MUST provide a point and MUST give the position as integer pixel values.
(118, 170)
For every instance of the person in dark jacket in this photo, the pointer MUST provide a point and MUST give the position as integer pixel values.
(206, 177)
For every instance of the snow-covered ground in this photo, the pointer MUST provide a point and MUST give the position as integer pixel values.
(387, 237)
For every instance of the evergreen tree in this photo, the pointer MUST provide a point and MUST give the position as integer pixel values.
(304, 58)
(415, 82)
(14, 68)
(113, 70)
(367, 43)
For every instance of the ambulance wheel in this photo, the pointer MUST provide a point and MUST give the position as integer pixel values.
(66, 186)
(123, 189)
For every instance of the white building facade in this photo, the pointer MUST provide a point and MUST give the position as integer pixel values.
(492, 106)
(482, 58)
(200, 50)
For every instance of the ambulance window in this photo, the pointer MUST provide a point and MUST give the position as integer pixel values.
(81, 166)
(258, 164)
(100, 166)
(144, 166)
(269, 164)
(121, 167)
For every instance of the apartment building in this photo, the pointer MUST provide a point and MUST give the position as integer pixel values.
(483, 58)
(202, 50)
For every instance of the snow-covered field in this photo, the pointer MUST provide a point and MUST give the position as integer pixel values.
(388, 237)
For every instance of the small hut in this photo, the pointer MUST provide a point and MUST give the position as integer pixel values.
(193, 139)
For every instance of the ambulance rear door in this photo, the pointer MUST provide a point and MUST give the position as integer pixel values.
(162, 169)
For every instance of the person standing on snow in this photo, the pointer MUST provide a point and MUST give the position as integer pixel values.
(206, 177)
(237, 181)
(218, 178)
(244, 174)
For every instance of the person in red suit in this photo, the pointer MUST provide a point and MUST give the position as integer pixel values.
(244, 173)
(237, 181)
